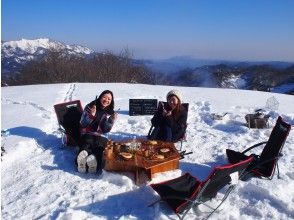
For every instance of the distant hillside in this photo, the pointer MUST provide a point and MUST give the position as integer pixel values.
(44, 61)
(49, 61)
(175, 64)
(250, 77)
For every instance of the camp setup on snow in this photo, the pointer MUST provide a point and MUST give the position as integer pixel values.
(187, 192)
(264, 164)
(152, 156)
(138, 156)
(135, 156)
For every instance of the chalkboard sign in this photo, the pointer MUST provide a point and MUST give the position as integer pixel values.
(142, 106)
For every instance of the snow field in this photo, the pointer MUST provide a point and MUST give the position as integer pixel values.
(40, 180)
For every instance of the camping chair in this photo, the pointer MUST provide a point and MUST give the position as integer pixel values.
(186, 191)
(181, 139)
(264, 164)
(68, 116)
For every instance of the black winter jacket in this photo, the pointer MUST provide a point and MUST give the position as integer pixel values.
(178, 125)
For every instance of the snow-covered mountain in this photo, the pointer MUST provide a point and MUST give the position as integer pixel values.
(16, 53)
(40, 179)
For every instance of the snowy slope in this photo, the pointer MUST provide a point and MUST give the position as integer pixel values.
(40, 181)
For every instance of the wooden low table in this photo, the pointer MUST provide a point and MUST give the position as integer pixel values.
(149, 156)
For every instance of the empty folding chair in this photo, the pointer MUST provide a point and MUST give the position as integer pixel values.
(186, 191)
(68, 116)
(264, 164)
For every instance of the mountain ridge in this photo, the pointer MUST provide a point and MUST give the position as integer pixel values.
(15, 54)
(277, 76)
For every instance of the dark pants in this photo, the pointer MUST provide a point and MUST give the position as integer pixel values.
(94, 145)
(161, 133)
(168, 133)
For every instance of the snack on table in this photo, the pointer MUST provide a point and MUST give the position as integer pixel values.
(108, 151)
(152, 142)
(126, 156)
(164, 150)
(116, 148)
(157, 157)
(146, 153)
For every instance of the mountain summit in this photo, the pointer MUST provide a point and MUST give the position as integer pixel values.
(16, 53)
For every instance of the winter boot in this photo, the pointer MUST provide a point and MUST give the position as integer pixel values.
(82, 160)
(92, 164)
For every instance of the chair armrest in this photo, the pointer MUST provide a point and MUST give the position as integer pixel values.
(256, 145)
(184, 153)
(150, 130)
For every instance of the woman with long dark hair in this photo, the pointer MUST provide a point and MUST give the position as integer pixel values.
(97, 119)
(170, 120)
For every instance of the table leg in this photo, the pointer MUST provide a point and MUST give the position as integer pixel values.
(137, 176)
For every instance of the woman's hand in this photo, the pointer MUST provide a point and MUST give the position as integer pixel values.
(114, 116)
(166, 113)
(169, 113)
(93, 110)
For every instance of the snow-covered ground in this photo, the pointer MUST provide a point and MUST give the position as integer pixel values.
(40, 180)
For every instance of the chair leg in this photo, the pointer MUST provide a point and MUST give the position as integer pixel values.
(64, 140)
(181, 145)
(208, 206)
(186, 212)
(224, 198)
(193, 206)
(278, 171)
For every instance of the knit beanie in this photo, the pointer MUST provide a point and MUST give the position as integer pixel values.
(176, 93)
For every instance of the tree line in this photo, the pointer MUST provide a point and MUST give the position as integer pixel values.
(57, 66)
(258, 77)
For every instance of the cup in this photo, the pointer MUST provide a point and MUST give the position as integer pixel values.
(116, 148)
(108, 152)
(146, 153)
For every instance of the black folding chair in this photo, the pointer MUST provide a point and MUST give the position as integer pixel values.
(181, 139)
(186, 192)
(68, 116)
(264, 165)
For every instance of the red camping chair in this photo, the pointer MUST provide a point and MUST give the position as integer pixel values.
(186, 192)
(68, 116)
(264, 164)
(181, 139)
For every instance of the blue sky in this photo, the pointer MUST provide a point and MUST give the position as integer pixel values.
(221, 29)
